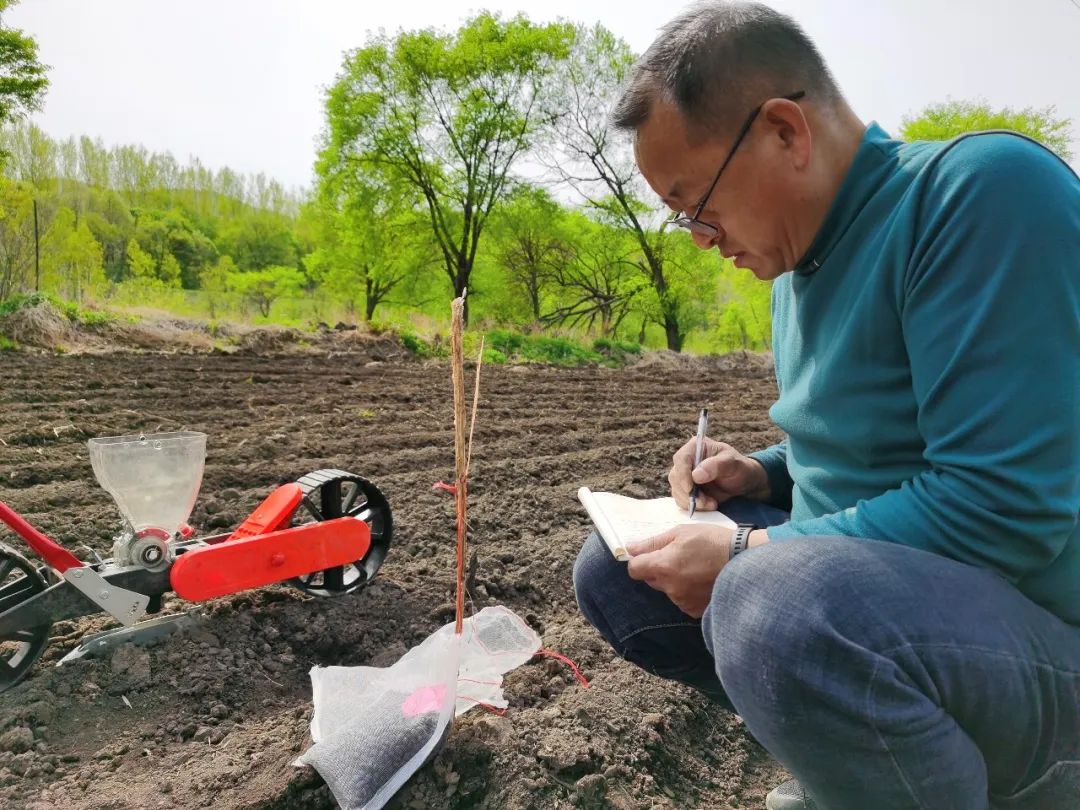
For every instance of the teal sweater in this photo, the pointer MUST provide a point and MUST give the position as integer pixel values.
(928, 359)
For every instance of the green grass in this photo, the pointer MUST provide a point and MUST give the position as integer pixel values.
(7, 345)
(503, 346)
(418, 345)
(71, 310)
(17, 302)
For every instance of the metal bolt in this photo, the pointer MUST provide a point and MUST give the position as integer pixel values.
(77, 574)
(103, 595)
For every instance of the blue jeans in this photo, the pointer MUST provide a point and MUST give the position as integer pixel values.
(879, 675)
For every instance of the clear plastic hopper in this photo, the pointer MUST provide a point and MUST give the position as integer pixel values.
(154, 479)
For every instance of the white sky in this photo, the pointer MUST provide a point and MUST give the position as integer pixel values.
(239, 83)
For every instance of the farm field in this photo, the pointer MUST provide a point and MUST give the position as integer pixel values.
(214, 717)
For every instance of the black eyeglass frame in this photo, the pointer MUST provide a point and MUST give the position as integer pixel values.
(695, 225)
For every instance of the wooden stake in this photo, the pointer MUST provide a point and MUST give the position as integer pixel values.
(457, 367)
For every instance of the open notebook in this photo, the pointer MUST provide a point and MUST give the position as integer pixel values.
(620, 520)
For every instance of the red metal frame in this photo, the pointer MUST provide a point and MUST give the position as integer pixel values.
(272, 514)
(48, 549)
(259, 552)
(238, 565)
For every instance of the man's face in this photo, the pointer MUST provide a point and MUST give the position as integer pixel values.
(751, 204)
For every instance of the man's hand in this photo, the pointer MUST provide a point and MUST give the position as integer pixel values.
(724, 473)
(683, 563)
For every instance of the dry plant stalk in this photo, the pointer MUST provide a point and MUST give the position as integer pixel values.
(462, 446)
(475, 402)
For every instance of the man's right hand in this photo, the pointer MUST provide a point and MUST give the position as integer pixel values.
(724, 473)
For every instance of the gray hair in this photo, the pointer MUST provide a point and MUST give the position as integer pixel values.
(717, 60)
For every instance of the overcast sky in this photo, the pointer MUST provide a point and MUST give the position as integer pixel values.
(239, 83)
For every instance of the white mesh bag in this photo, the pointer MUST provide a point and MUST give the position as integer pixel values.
(373, 728)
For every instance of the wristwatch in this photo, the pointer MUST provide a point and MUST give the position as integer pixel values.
(741, 537)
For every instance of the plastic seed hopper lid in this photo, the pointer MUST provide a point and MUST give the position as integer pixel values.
(153, 478)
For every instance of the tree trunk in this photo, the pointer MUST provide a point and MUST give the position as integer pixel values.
(534, 296)
(671, 320)
(370, 301)
(671, 331)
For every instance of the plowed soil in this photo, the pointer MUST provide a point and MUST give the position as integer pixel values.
(214, 717)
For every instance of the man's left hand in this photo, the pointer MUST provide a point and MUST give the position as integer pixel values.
(683, 563)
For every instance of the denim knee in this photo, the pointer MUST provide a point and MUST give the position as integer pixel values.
(642, 624)
(592, 568)
(768, 612)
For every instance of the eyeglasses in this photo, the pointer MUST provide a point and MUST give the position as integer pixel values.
(695, 225)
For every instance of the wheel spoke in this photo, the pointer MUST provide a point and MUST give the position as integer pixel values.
(334, 578)
(330, 499)
(350, 501)
(312, 509)
(16, 591)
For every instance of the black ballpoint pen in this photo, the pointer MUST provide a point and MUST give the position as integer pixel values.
(702, 426)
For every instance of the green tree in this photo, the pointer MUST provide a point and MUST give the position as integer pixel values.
(370, 240)
(597, 162)
(22, 77)
(215, 282)
(180, 251)
(141, 265)
(71, 261)
(598, 279)
(16, 238)
(450, 114)
(193, 250)
(260, 239)
(940, 122)
(110, 219)
(741, 316)
(263, 287)
(531, 245)
(31, 155)
(170, 272)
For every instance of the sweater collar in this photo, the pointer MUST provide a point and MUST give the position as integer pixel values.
(859, 184)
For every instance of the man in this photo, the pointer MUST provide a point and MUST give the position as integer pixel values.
(909, 635)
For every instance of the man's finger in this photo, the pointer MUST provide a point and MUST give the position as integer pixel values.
(656, 543)
(643, 568)
(685, 454)
(705, 503)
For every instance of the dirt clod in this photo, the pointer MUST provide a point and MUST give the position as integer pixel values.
(17, 740)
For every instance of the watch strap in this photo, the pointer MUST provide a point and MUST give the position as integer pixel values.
(741, 537)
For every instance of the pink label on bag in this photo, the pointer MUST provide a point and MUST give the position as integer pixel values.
(425, 699)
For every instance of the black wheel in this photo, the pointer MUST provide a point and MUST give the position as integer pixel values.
(330, 494)
(19, 649)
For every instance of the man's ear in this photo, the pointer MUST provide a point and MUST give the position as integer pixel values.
(788, 125)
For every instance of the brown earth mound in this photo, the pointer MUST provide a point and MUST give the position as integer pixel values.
(43, 326)
(215, 717)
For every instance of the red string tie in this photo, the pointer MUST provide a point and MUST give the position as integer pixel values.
(560, 657)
